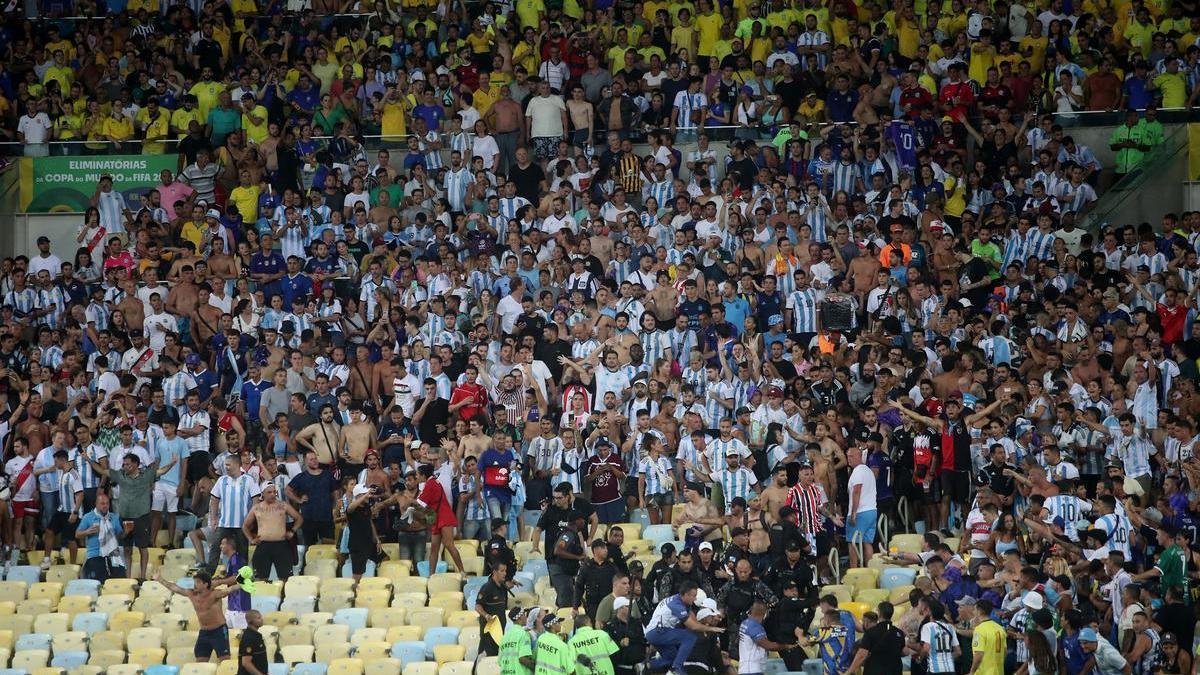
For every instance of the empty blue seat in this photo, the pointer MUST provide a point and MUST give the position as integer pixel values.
(30, 574)
(641, 517)
(88, 587)
(537, 567)
(32, 641)
(264, 603)
(439, 636)
(162, 670)
(408, 652)
(90, 622)
(774, 667)
(355, 618)
(369, 572)
(278, 669)
(893, 577)
(659, 534)
(423, 568)
(69, 660)
(309, 669)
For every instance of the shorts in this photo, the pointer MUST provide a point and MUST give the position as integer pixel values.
(140, 535)
(545, 147)
(29, 509)
(315, 533)
(864, 524)
(61, 524)
(933, 493)
(164, 499)
(956, 486)
(235, 619)
(611, 512)
(661, 500)
(212, 640)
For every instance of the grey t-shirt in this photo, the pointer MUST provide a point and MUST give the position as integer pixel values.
(135, 492)
(275, 400)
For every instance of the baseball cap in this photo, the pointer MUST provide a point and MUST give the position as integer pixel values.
(1088, 635)
(619, 603)
(213, 213)
(1033, 600)
(43, 239)
(192, 359)
(551, 620)
(705, 546)
(967, 601)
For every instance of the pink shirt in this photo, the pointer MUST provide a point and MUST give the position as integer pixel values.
(172, 193)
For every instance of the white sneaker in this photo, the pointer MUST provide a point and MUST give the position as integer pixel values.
(45, 564)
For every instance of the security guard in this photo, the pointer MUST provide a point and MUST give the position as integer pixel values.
(492, 601)
(554, 657)
(593, 648)
(516, 647)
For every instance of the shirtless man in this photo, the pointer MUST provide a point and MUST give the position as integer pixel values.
(355, 440)
(383, 372)
(775, 495)
(214, 634)
(862, 271)
(266, 528)
(131, 305)
(321, 437)
(35, 431)
(184, 295)
(221, 265)
(582, 117)
(507, 116)
(362, 373)
(476, 442)
(205, 318)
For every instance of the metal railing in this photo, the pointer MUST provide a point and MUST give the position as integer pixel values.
(1120, 194)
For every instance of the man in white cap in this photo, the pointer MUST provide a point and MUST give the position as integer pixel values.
(1108, 660)
(628, 635)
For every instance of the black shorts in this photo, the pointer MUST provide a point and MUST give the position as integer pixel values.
(932, 494)
(359, 556)
(140, 535)
(315, 533)
(212, 640)
(61, 524)
(956, 486)
(198, 466)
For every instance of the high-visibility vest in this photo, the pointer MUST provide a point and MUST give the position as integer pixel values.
(597, 646)
(554, 657)
(515, 644)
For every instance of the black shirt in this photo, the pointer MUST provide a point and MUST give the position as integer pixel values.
(884, 644)
(555, 519)
(252, 645)
(528, 181)
(436, 414)
(493, 598)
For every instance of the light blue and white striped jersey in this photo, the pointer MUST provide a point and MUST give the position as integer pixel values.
(616, 381)
(817, 218)
(804, 309)
(737, 483)
(433, 153)
(462, 141)
(328, 310)
(444, 387)
(1016, 249)
(845, 179)
(741, 393)
(675, 255)
(175, 388)
(55, 300)
(719, 449)
(687, 452)
(23, 302)
(455, 184)
(1156, 262)
(87, 473)
(941, 640)
(1074, 198)
(580, 350)
(367, 295)
(721, 391)
(619, 270)
(686, 103)
(477, 508)
(696, 378)
(1133, 451)
(69, 484)
(682, 343)
(97, 313)
(1118, 528)
(52, 357)
(998, 349)
(654, 345)
(111, 206)
(509, 207)
(662, 191)
(659, 474)
(192, 420)
(293, 241)
(1041, 244)
(236, 496)
(1070, 508)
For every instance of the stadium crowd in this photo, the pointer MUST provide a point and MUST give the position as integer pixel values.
(786, 278)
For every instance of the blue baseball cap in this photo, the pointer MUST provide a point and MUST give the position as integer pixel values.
(1088, 635)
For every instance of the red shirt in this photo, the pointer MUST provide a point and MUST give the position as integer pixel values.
(472, 392)
(915, 98)
(965, 95)
(1172, 322)
(606, 487)
(433, 497)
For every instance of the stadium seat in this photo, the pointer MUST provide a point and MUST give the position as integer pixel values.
(293, 654)
(169, 622)
(386, 617)
(409, 601)
(443, 653)
(70, 641)
(899, 594)
(75, 604)
(180, 656)
(450, 601)
(90, 622)
(161, 669)
(147, 657)
(13, 591)
(408, 652)
(333, 602)
(427, 617)
(279, 619)
(106, 658)
(69, 660)
(630, 530)
(328, 651)
(860, 578)
(295, 635)
(488, 665)
(423, 568)
(126, 621)
(112, 603)
(462, 619)
(469, 637)
(107, 640)
(378, 598)
(906, 543)
(455, 668)
(119, 587)
(897, 576)
(774, 667)
(34, 607)
(336, 585)
(537, 567)
(49, 590)
(406, 634)
(386, 666)
(326, 569)
(353, 618)
(30, 659)
(32, 641)
(842, 592)
(395, 571)
(88, 587)
(444, 582)
(298, 604)
(28, 574)
(952, 542)
(420, 668)
(871, 597)
(264, 604)
(436, 637)
(19, 624)
(365, 635)
(309, 669)
(855, 608)
(124, 669)
(279, 669)
(640, 517)
(315, 619)
(199, 669)
(54, 622)
(375, 649)
(346, 666)
(330, 633)
(144, 638)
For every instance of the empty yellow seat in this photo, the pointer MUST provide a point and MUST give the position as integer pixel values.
(119, 587)
(124, 669)
(842, 592)
(126, 621)
(331, 633)
(345, 666)
(13, 591)
(446, 581)
(395, 571)
(70, 641)
(144, 638)
(378, 649)
(19, 624)
(290, 636)
(488, 665)
(107, 641)
(906, 543)
(34, 607)
(462, 618)
(444, 653)
(52, 623)
(373, 599)
(456, 668)
(183, 638)
(106, 658)
(279, 619)
(152, 656)
(388, 666)
(180, 656)
(199, 669)
(855, 608)
(30, 659)
(405, 634)
(365, 635)
(409, 601)
(451, 601)
(50, 590)
(421, 668)
(74, 604)
(168, 622)
(295, 654)
(386, 617)
(327, 652)
(861, 578)
(112, 603)
(315, 619)
(428, 617)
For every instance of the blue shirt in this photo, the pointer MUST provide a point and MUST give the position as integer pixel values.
(271, 263)
(205, 382)
(93, 518)
(841, 105)
(307, 100)
(736, 311)
(252, 395)
(319, 490)
(293, 287)
(173, 449)
(493, 458)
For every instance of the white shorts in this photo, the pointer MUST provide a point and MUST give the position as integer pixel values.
(164, 498)
(235, 619)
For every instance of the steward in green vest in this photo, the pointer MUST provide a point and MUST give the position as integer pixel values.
(593, 648)
(516, 647)
(553, 655)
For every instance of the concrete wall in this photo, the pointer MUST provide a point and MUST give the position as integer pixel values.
(61, 228)
(9, 201)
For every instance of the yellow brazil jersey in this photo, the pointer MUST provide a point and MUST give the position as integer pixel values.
(206, 94)
(66, 127)
(741, 9)
(684, 37)
(118, 129)
(67, 47)
(822, 15)
(327, 73)
(246, 198)
(357, 46)
(64, 75)
(674, 7)
(193, 232)
(526, 56)
(1173, 88)
(392, 122)
(650, 8)
(647, 52)
(255, 133)
(982, 58)
(1139, 36)
(956, 201)
(908, 37)
(480, 44)
(841, 31)
(242, 6)
(708, 28)
(573, 9)
(181, 118)
(501, 79)
(1034, 51)
(722, 48)
(616, 57)
(759, 49)
(157, 130)
(222, 36)
(989, 638)
(952, 24)
(781, 18)
(485, 98)
(529, 11)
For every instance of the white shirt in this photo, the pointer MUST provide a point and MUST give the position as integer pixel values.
(36, 129)
(51, 263)
(13, 468)
(157, 326)
(862, 475)
(508, 309)
(545, 115)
